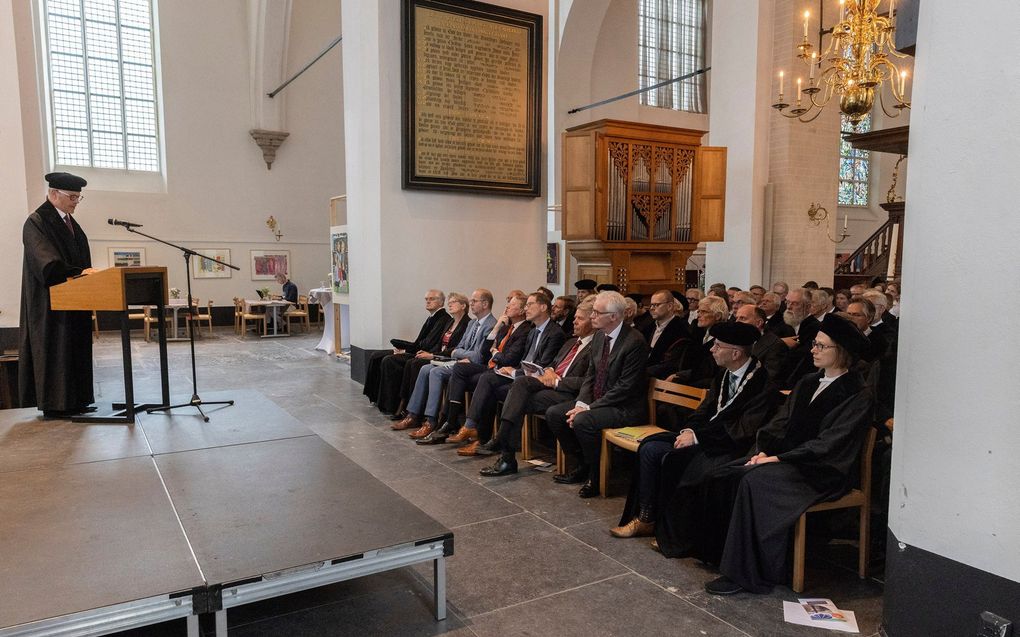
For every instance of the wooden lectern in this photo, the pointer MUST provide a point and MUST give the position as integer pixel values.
(113, 290)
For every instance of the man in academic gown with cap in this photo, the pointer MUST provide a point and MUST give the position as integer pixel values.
(55, 366)
(585, 287)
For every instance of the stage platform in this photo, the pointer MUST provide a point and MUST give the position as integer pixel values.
(109, 526)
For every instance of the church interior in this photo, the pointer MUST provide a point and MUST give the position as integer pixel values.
(661, 145)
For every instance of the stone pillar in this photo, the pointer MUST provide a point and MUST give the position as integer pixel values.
(404, 242)
(954, 512)
(741, 66)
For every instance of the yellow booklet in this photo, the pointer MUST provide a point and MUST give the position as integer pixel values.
(636, 433)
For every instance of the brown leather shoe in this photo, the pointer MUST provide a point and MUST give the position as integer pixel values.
(422, 431)
(409, 422)
(463, 435)
(469, 449)
(634, 528)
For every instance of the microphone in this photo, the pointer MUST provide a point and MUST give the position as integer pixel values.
(126, 224)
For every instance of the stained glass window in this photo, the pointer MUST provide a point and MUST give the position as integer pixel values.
(102, 83)
(854, 165)
(671, 43)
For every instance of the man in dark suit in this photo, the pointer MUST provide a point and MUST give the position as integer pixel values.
(559, 383)
(429, 335)
(543, 342)
(662, 334)
(563, 314)
(799, 363)
(614, 392)
(55, 371)
(768, 349)
(507, 350)
(771, 304)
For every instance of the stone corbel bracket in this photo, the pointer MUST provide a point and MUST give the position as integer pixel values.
(268, 141)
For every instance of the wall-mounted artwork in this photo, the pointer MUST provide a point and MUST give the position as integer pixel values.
(341, 272)
(266, 264)
(126, 257)
(211, 268)
(552, 263)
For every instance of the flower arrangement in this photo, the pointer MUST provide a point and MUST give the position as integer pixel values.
(265, 293)
(175, 293)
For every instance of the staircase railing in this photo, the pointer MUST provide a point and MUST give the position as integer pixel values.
(872, 258)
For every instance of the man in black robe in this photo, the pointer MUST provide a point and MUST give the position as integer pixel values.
(55, 367)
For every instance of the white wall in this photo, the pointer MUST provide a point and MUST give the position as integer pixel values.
(13, 200)
(404, 242)
(218, 192)
(954, 471)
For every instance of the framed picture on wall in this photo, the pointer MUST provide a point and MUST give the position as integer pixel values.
(126, 257)
(552, 263)
(211, 268)
(266, 264)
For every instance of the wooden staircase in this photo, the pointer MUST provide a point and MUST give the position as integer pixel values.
(872, 257)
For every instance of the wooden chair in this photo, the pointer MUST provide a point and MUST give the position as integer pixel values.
(198, 316)
(659, 391)
(300, 312)
(244, 317)
(860, 498)
(148, 320)
(95, 326)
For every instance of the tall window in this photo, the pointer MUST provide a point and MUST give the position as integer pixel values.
(854, 165)
(102, 83)
(671, 43)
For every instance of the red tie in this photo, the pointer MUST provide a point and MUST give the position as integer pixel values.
(70, 226)
(561, 369)
(502, 344)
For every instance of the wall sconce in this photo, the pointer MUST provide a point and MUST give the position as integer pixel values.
(817, 214)
(274, 227)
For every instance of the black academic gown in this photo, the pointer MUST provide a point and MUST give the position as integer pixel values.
(742, 516)
(725, 428)
(55, 358)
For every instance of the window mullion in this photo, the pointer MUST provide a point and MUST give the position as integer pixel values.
(87, 88)
(120, 77)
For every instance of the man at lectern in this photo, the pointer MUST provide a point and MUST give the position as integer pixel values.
(55, 366)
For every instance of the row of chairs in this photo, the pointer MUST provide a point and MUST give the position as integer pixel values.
(660, 391)
(145, 315)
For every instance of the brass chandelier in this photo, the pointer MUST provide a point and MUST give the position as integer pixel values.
(859, 60)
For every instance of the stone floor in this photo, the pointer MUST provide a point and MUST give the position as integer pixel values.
(531, 558)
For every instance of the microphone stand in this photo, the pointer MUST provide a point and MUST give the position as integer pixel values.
(196, 401)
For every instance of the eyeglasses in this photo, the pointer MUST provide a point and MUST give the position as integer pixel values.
(73, 196)
(659, 304)
(597, 313)
(821, 346)
(718, 345)
(432, 298)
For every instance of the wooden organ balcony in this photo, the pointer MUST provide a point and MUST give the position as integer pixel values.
(637, 200)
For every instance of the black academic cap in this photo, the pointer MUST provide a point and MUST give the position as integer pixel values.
(66, 181)
(845, 334)
(607, 287)
(681, 298)
(585, 284)
(733, 333)
(636, 297)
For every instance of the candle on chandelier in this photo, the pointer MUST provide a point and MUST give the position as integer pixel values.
(903, 81)
(814, 59)
(845, 218)
(780, 85)
(798, 91)
(807, 14)
(892, 12)
(842, 9)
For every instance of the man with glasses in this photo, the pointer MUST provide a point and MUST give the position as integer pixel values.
(55, 367)
(662, 334)
(613, 394)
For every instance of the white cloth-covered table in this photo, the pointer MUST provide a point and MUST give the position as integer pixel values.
(324, 297)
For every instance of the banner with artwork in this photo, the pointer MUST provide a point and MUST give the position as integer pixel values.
(341, 261)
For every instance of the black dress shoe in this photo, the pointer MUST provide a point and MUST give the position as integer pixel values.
(488, 449)
(577, 476)
(723, 586)
(438, 436)
(400, 415)
(87, 409)
(502, 467)
(589, 489)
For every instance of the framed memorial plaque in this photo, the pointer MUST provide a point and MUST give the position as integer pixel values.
(472, 97)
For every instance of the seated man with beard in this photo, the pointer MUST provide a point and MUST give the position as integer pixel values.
(740, 401)
(798, 315)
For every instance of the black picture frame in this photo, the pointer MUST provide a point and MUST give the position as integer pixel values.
(484, 15)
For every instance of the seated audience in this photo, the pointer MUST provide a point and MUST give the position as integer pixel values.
(757, 292)
(768, 349)
(742, 515)
(842, 299)
(457, 308)
(738, 300)
(585, 288)
(781, 288)
(563, 313)
(614, 393)
(425, 399)
(771, 303)
(544, 340)
(535, 394)
(630, 313)
(893, 290)
(429, 334)
(662, 334)
(642, 318)
(693, 296)
(798, 315)
(739, 401)
(694, 363)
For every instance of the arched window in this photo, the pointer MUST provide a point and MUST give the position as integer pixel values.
(101, 83)
(854, 165)
(671, 43)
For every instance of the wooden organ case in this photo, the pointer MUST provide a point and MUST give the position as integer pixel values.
(637, 200)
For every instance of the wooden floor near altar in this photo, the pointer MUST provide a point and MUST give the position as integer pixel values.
(531, 557)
